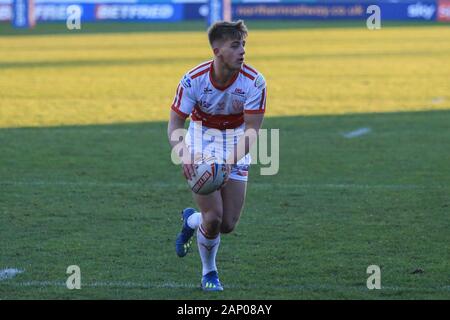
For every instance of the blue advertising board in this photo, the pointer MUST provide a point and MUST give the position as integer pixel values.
(112, 12)
(414, 10)
(17, 11)
(219, 10)
(23, 16)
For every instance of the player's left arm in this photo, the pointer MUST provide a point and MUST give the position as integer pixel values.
(254, 110)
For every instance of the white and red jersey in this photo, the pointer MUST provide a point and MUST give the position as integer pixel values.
(220, 107)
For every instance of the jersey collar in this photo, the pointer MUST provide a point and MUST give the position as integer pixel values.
(215, 85)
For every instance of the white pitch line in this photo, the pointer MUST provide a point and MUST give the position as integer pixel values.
(357, 133)
(37, 183)
(175, 285)
(438, 100)
(9, 273)
(107, 284)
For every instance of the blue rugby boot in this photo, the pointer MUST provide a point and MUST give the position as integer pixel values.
(184, 238)
(211, 282)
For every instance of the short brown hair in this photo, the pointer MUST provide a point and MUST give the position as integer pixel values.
(225, 30)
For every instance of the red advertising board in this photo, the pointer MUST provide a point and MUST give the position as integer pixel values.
(443, 11)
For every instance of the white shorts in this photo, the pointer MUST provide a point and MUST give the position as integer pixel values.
(218, 143)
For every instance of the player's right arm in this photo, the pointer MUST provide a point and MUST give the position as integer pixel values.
(177, 123)
(181, 108)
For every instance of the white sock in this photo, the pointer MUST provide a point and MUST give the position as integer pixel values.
(194, 220)
(208, 250)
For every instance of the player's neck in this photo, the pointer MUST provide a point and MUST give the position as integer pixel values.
(222, 75)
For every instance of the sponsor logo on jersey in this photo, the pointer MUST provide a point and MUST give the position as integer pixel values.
(207, 90)
(260, 82)
(239, 91)
(186, 82)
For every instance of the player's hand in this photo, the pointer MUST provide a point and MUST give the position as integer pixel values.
(189, 170)
(227, 176)
(188, 165)
(228, 167)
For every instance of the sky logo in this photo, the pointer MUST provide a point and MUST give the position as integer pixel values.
(420, 10)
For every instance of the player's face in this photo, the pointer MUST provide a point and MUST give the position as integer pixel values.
(232, 53)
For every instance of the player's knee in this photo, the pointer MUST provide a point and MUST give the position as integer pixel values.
(227, 228)
(212, 222)
(228, 225)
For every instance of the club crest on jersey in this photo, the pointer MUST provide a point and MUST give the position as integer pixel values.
(186, 82)
(260, 82)
(237, 105)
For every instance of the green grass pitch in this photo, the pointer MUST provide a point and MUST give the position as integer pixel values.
(86, 177)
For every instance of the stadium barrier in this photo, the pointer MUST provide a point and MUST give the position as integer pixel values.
(24, 16)
(180, 10)
(443, 11)
(423, 10)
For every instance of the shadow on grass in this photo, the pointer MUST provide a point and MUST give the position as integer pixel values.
(108, 197)
(333, 148)
(193, 60)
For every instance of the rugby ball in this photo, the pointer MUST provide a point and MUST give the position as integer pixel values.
(210, 176)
